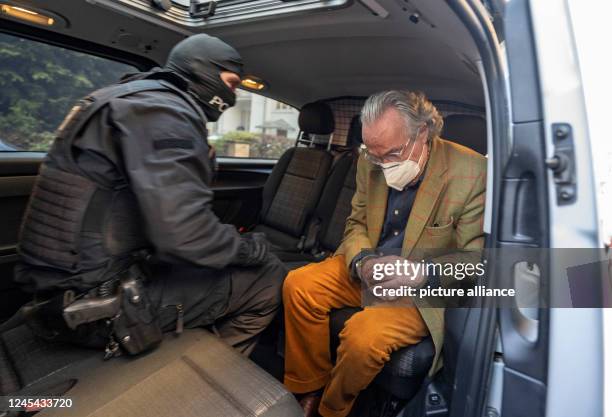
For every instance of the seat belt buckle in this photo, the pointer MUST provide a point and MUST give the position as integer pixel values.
(245, 229)
(300, 245)
(310, 239)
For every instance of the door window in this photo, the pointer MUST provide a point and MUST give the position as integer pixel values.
(40, 83)
(256, 127)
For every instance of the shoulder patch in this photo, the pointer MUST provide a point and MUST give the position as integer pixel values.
(160, 144)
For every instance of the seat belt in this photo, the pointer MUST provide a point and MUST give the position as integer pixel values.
(310, 239)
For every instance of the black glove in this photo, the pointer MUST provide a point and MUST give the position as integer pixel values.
(253, 250)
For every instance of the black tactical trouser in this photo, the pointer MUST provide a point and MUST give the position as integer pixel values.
(238, 303)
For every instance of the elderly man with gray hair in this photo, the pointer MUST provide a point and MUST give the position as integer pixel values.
(414, 190)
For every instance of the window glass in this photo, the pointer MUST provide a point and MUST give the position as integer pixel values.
(39, 84)
(256, 127)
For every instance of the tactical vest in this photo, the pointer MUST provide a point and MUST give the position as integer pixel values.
(77, 234)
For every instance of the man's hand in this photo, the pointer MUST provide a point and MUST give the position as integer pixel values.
(375, 272)
(212, 153)
(366, 273)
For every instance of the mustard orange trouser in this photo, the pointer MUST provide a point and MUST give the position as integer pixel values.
(366, 342)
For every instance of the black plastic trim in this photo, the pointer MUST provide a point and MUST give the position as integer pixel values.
(75, 44)
(475, 375)
(522, 64)
(521, 219)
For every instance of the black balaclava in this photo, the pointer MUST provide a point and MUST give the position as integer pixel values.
(200, 59)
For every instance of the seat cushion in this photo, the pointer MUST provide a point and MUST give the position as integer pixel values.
(8, 378)
(404, 373)
(295, 264)
(335, 205)
(294, 186)
(293, 189)
(195, 374)
(279, 241)
(32, 363)
(295, 258)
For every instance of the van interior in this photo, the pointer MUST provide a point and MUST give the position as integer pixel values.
(323, 59)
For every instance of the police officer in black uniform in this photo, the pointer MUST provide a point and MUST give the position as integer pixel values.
(127, 182)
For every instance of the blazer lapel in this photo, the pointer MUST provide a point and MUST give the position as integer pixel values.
(377, 204)
(427, 197)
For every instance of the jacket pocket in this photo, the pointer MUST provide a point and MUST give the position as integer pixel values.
(440, 228)
(438, 237)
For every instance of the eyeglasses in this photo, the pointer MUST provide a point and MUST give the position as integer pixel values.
(394, 156)
(390, 157)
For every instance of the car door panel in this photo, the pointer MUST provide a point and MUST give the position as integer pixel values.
(238, 187)
(17, 177)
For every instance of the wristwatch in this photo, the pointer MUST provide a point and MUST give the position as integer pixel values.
(359, 263)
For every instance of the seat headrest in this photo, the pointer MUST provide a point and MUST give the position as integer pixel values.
(317, 118)
(354, 138)
(466, 130)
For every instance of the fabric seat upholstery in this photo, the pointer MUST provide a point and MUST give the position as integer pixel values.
(32, 364)
(335, 204)
(333, 212)
(466, 130)
(330, 214)
(329, 217)
(192, 375)
(295, 184)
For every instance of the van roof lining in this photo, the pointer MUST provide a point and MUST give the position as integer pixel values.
(343, 52)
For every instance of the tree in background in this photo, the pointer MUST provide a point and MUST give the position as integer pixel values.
(40, 83)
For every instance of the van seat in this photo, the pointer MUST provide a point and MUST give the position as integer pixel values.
(467, 130)
(195, 374)
(403, 375)
(335, 205)
(326, 227)
(295, 184)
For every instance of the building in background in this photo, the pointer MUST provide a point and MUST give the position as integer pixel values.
(256, 127)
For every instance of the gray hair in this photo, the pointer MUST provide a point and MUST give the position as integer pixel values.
(413, 106)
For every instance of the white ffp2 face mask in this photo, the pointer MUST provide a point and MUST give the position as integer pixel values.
(399, 174)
